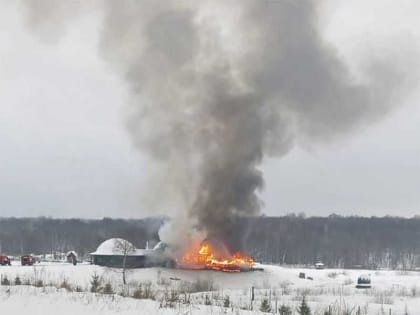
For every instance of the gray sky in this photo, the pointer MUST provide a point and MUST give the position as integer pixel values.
(65, 151)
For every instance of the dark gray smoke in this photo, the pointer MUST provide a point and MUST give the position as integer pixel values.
(218, 85)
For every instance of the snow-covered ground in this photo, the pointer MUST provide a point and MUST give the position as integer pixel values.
(391, 290)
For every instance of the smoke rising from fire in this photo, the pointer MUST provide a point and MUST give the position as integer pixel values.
(216, 86)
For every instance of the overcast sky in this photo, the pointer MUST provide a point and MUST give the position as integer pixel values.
(65, 151)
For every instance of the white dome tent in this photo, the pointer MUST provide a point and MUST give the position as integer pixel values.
(115, 251)
(115, 246)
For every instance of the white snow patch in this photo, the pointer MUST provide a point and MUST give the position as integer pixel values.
(393, 290)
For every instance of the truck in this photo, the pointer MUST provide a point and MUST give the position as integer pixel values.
(27, 260)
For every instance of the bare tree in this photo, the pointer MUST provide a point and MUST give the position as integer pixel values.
(124, 248)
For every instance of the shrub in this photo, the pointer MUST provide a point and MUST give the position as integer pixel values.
(328, 311)
(304, 308)
(148, 292)
(125, 291)
(285, 310)
(265, 306)
(384, 297)
(18, 281)
(285, 287)
(138, 293)
(144, 291)
(95, 283)
(170, 299)
(207, 300)
(5, 281)
(226, 301)
(201, 285)
(413, 291)
(78, 289)
(108, 289)
(39, 283)
(66, 285)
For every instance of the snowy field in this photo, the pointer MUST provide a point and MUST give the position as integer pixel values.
(48, 288)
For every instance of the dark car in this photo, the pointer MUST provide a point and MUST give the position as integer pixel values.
(4, 260)
(27, 260)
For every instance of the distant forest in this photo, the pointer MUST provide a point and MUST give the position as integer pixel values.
(387, 242)
(47, 235)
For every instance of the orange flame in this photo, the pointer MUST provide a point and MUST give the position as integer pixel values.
(203, 257)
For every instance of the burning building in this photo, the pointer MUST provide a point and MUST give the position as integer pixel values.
(205, 256)
(119, 253)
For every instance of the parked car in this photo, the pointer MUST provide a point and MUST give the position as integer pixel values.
(4, 260)
(27, 260)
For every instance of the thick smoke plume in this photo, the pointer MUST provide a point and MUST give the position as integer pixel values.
(218, 85)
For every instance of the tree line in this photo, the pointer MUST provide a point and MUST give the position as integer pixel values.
(44, 235)
(344, 242)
